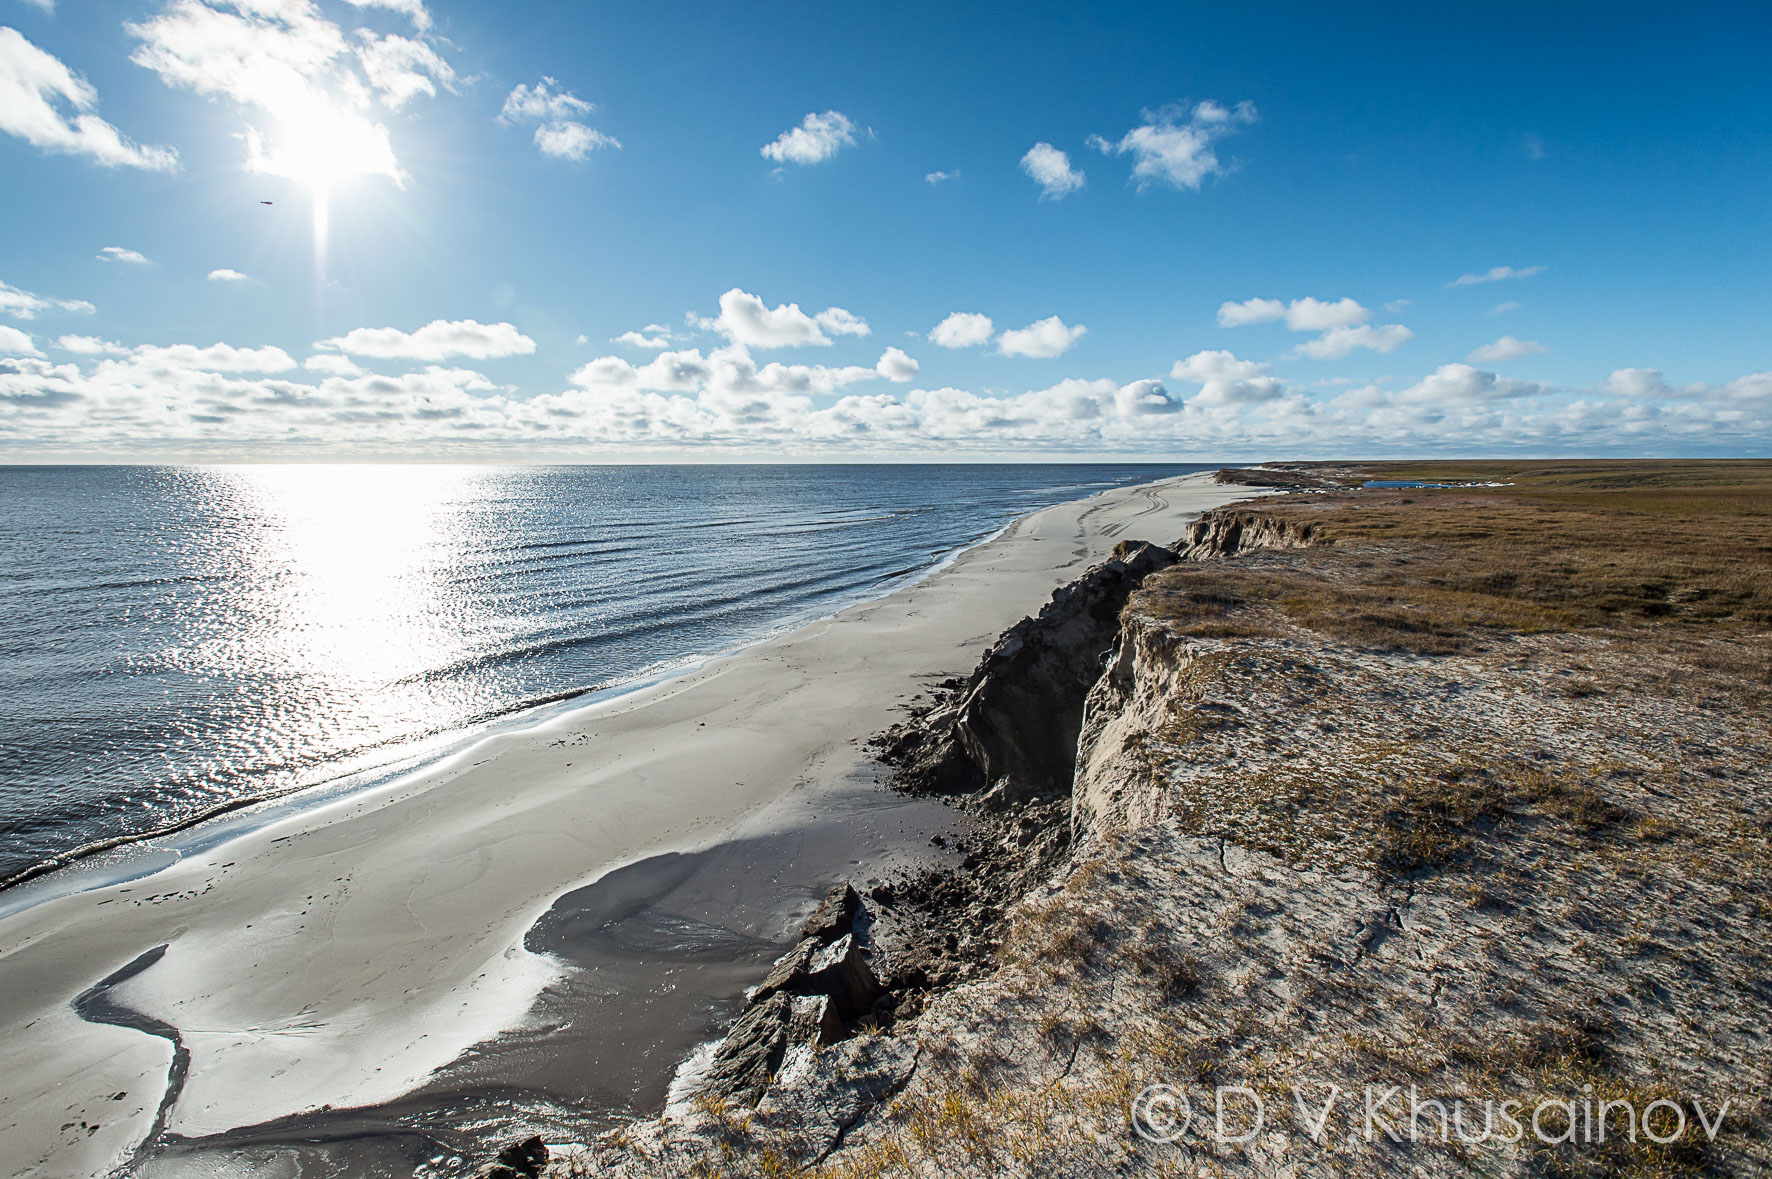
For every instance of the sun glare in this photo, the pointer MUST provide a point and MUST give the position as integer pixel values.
(320, 144)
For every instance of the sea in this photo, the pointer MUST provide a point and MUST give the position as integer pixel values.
(179, 642)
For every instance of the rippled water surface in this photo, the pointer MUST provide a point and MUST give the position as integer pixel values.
(174, 640)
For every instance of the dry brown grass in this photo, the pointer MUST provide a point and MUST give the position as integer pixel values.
(1674, 554)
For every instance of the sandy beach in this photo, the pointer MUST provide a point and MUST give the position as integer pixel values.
(341, 955)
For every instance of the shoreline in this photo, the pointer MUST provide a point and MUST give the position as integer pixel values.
(426, 754)
(341, 955)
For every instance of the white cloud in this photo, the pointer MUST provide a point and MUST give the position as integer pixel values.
(962, 329)
(541, 102)
(89, 346)
(16, 343)
(660, 338)
(1051, 170)
(896, 366)
(1339, 341)
(1532, 145)
(1225, 380)
(560, 133)
(437, 340)
(817, 138)
(1043, 339)
(571, 141)
(401, 69)
(1250, 311)
(1495, 274)
(1301, 315)
(839, 322)
(36, 89)
(1314, 315)
(44, 6)
(1342, 324)
(938, 177)
(120, 254)
(221, 358)
(226, 275)
(332, 364)
(309, 111)
(746, 320)
(21, 304)
(1453, 385)
(1504, 308)
(414, 10)
(1506, 348)
(1168, 149)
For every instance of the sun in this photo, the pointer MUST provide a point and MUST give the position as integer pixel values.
(320, 143)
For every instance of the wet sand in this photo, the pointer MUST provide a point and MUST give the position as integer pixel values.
(429, 936)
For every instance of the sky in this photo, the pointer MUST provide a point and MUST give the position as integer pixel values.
(284, 230)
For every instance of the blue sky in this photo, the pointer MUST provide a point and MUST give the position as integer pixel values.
(1285, 230)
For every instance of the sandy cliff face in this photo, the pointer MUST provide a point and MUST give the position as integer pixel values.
(1152, 677)
(1226, 532)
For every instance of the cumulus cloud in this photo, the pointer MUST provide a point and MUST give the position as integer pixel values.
(89, 346)
(541, 103)
(1506, 348)
(332, 364)
(13, 342)
(560, 133)
(817, 138)
(1250, 311)
(1051, 170)
(51, 108)
(1339, 341)
(1042, 339)
(962, 329)
(745, 319)
(1173, 147)
(938, 177)
(839, 322)
(224, 274)
(120, 254)
(653, 336)
(1315, 315)
(1226, 380)
(1342, 323)
(896, 366)
(1462, 384)
(22, 304)
(1301, 315)
(221, 358)
(1495, 274)
(400, 68)
(437, 340)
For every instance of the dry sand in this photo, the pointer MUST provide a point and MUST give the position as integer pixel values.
(341, 954)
